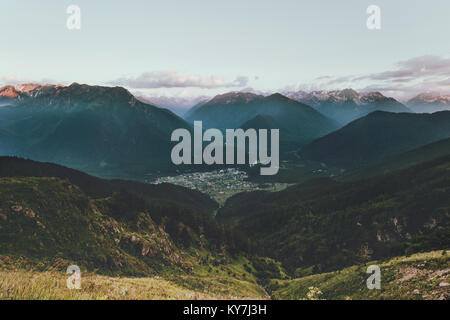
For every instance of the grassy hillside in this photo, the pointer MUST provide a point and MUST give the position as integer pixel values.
(20, 279)
(47, 224)
(100, 188)
(419, 276)
(135, 242)
(43, 218)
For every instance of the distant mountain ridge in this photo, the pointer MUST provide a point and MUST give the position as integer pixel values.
(178, 105)
(9, 95)
(429, 102)
(347, 105)
(403, 160)
(23, 90)
(296, 121)
(377, 136)
(9, 92)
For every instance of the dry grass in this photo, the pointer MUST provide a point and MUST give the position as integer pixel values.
(51, 285)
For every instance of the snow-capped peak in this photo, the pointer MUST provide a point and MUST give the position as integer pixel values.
(346, 95)
(431, 97)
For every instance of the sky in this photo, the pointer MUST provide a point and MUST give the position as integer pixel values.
(206, 47)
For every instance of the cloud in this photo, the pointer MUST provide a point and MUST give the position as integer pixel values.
(16, 80)
(419, 67)
(174, 79)
(11, 80)
(255, 91)
(406, 79)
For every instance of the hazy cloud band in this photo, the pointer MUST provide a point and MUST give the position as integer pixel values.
(174, 79)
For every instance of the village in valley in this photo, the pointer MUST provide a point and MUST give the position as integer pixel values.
(220, 184)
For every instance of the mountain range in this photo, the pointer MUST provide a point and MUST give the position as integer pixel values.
(297, 122)
(377, 136)
(347, 105)
(403, 160)
(429, 102)
(101, 130)
(108, 132)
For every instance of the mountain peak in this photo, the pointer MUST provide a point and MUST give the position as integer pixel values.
(235, 97)
(349, 94)
(319, 96)
(431, 97)
(345, 95)
(27, 87)
(277, 96)
(374, 96)
(348, 104)
(88, 91)
(429, 102)
(74, 95)
(9, 92)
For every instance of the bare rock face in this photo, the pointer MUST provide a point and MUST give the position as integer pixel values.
(27, 87)
(9, 92)
(29, 213)
(26, 211)
(16, 208)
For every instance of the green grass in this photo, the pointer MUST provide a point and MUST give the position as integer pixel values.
(419, 276)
